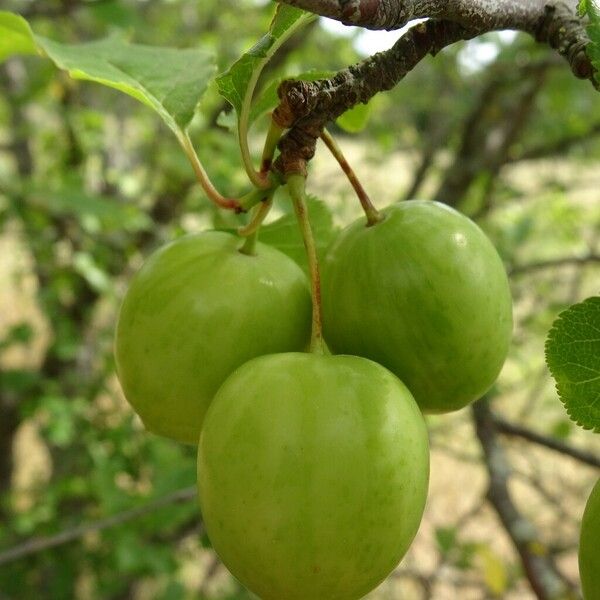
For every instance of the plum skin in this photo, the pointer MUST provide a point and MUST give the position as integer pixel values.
(313, 474)
(424, 293)
(198, 309)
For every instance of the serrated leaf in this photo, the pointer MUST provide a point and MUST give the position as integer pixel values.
(592, 7)
(234, 83)
(285, 235)
(169, 80)
(355, 119)
(16, 36)
(573, 357)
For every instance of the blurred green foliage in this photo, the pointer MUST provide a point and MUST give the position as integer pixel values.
(91, 182)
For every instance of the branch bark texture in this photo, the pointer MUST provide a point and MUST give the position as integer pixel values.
(306, 107)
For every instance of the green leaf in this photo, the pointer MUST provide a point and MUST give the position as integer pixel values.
(593, 30)
(16, 36)
(234, 83)
(168, 80)
(227, 120)
(573, 357)
(115, 13)
(355, 119)
(284, 233)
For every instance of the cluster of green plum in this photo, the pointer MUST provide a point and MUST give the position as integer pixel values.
(313, 468)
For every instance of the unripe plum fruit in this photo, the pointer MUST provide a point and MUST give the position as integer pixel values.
(424, 293)
(312, 474)
(197, 310)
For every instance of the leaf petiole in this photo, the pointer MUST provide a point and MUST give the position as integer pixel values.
(204, 180)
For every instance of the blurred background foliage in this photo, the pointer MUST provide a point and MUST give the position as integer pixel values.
(91, 183)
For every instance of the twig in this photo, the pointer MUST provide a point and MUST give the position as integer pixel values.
(296, 188)
(539, 568)
(395, 14)
(489, 132)
(514, 430)
(557, 262)
(372, 214)
(306, 107)
(558, 146)
(36, 545)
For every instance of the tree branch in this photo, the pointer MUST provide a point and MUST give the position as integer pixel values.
(306, 107)
(490, 131)
(555, 147)
(36, 545)
(554, 22)
(540, 570)
(557, 262)
(514, 430)
(394, 14)
(485, 15)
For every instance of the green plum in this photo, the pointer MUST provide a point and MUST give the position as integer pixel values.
(424, 293)
(197, 310)
(589, 547)
(313, 473)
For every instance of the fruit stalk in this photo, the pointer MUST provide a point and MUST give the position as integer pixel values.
(250, 231)
(373, 215)
(296, 186)
(271, 141)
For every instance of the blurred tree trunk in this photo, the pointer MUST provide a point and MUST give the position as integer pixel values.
(490, 131)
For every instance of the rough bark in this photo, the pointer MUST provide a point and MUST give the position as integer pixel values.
(306, 107)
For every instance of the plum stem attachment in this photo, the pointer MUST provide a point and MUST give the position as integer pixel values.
(250, 230)
(296, 187)
(373, 215)
(259, 213)
(204, 180)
